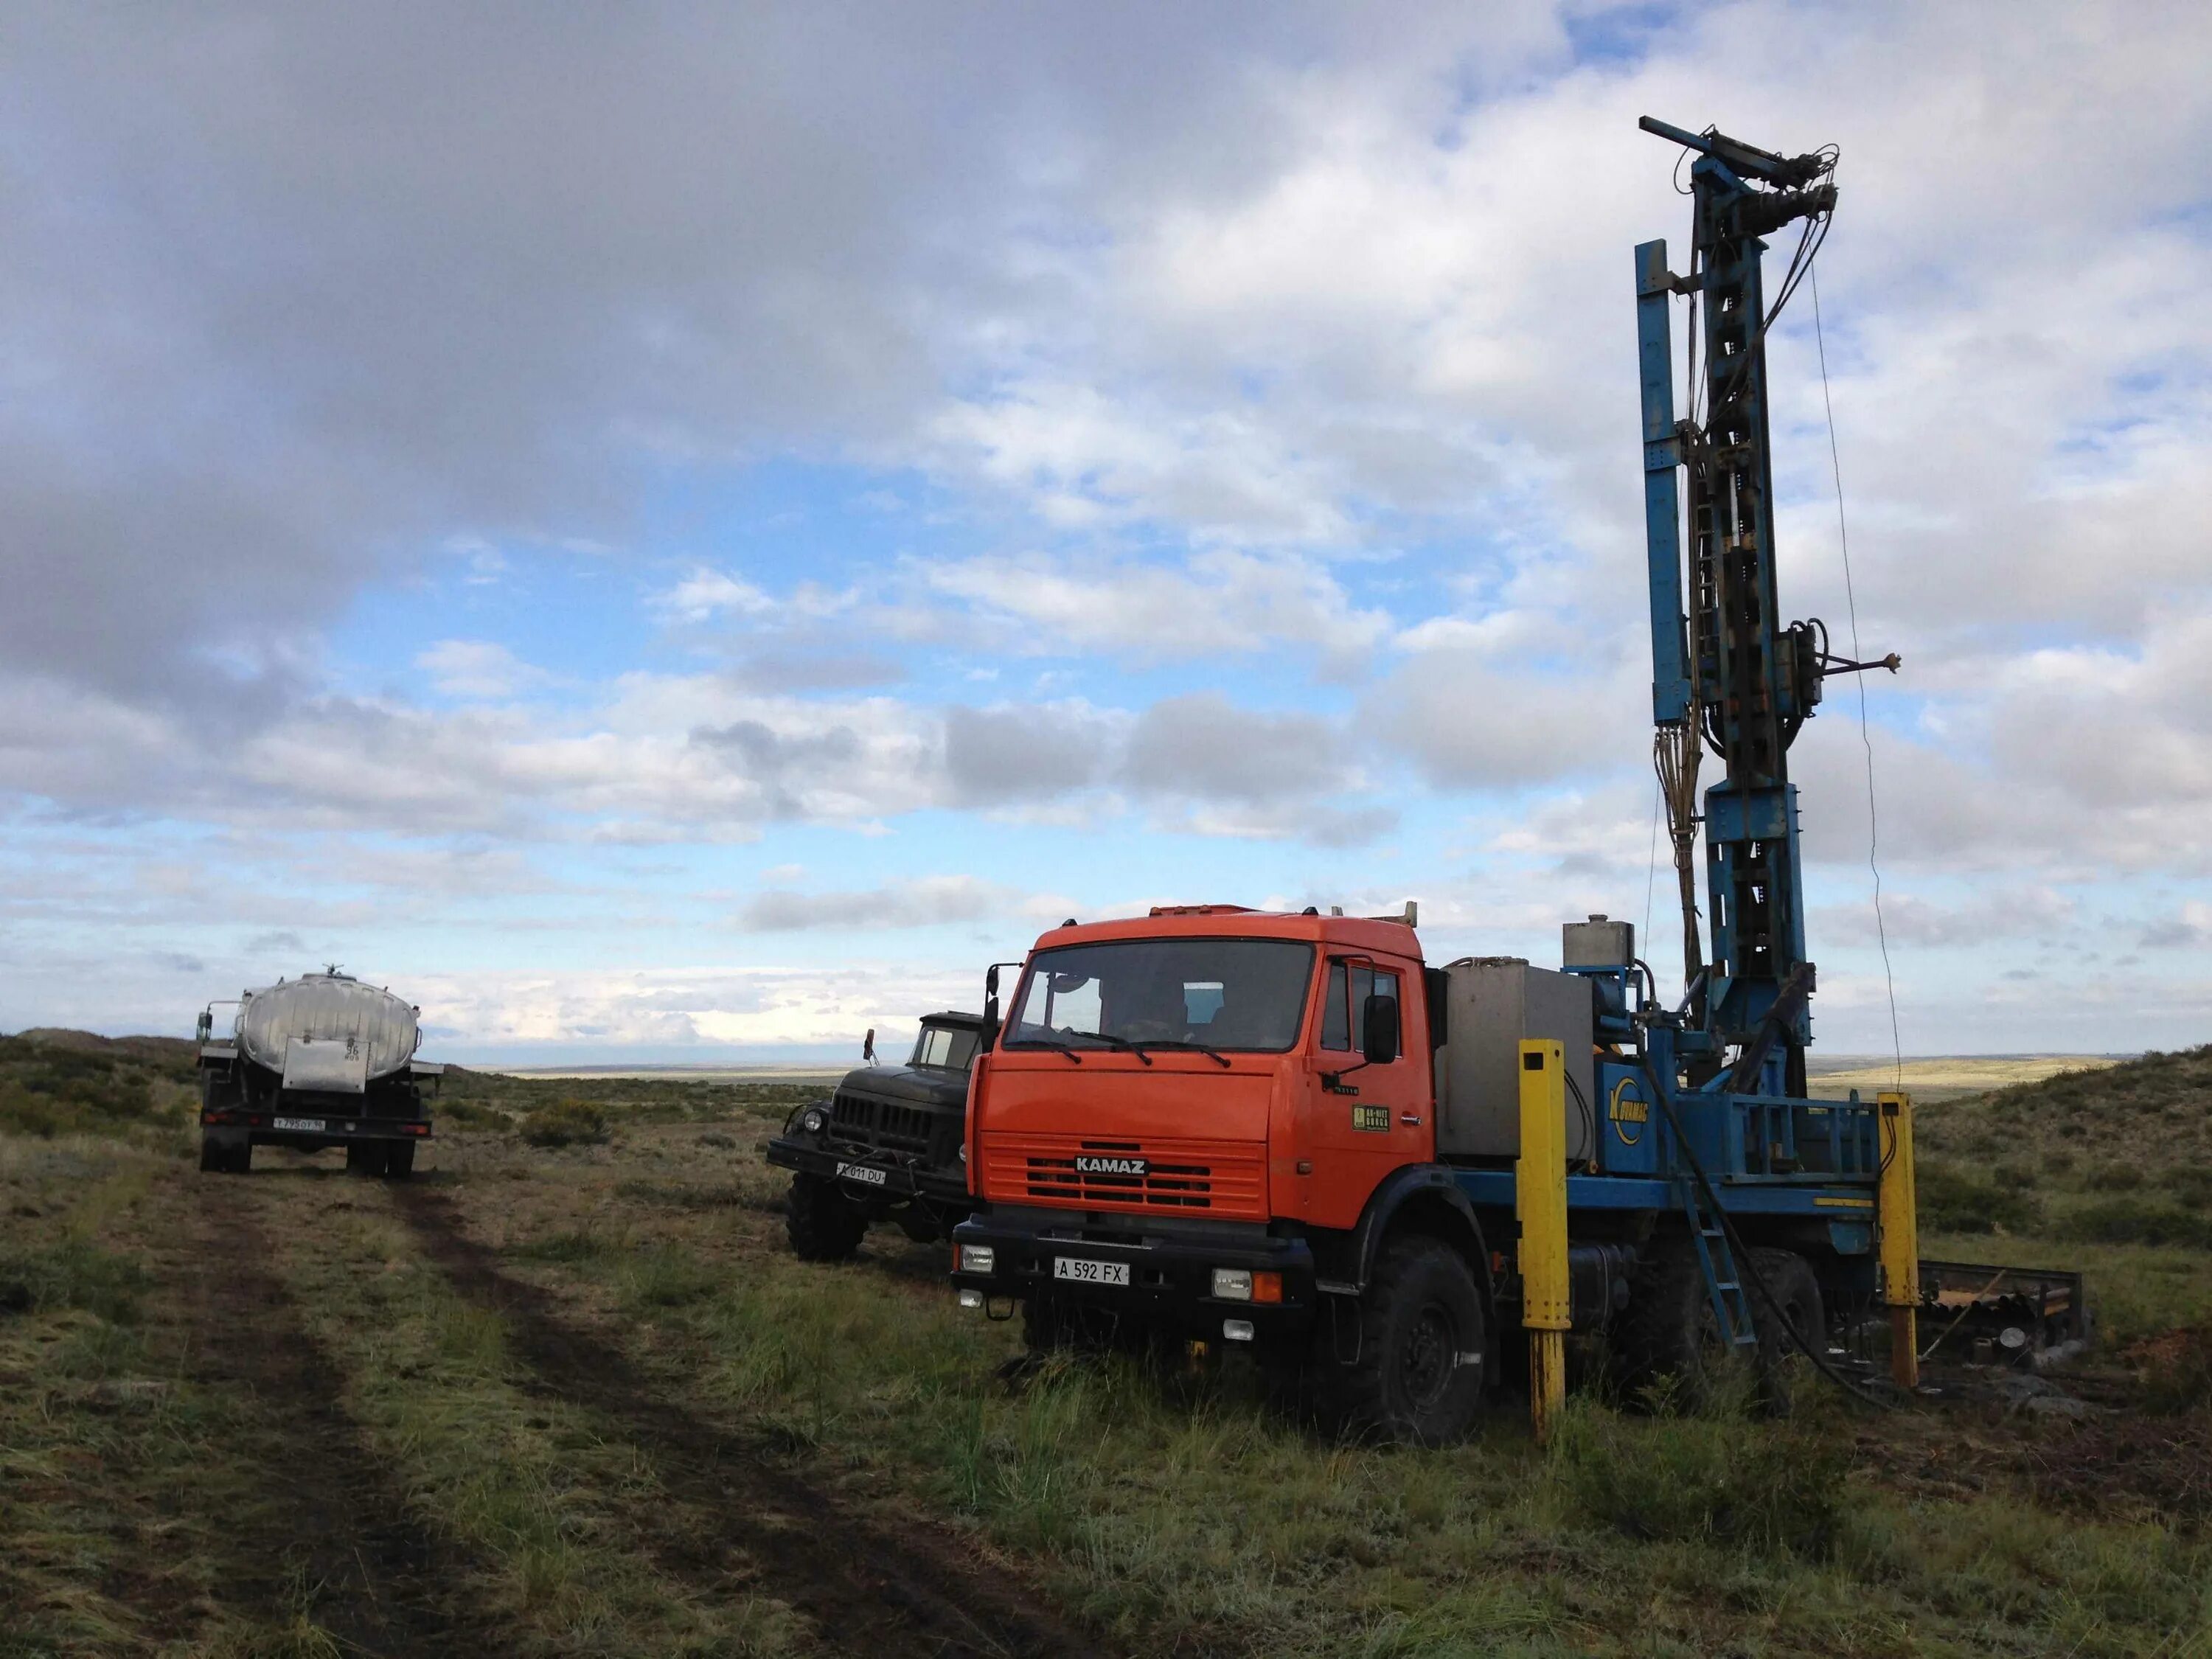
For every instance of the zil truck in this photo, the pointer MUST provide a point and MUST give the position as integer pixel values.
(1291, 1131)
(889, 1145)
(319, 1061)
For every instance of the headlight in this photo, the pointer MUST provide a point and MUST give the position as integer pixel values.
(814, 1122)
(1233, 1284)
(978, 1259)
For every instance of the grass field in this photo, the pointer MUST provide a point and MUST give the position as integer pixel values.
(566, 1393)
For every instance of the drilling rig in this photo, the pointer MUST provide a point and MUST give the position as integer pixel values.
(1217, 1125)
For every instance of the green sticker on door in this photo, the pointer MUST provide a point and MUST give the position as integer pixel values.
(1376, 1118)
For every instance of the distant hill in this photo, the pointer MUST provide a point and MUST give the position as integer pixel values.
(2153, 1113)
(57, 1082)
(163, 1050)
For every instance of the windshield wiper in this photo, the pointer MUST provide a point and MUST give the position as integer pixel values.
(1057, 1047)
(1211, 1054)
(1120, 1044)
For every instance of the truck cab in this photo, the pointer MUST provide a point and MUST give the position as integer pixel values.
(1188, 1116)
(887, 1146)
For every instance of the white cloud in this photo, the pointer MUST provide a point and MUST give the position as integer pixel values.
(479, 669)
(924, 902)
(706, 593)
(1216, 603)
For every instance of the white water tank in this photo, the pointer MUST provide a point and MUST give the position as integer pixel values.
(327, 1031)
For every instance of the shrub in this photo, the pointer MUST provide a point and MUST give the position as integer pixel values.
(49, 1089)
(468, 1115)
(2189, 1182)
(2176, 1370)
(566, 1122)
(1755, 1485)
(72, 1273)
(1956, 1200)
(2138, 1221)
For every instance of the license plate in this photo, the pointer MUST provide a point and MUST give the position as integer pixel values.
(1085, 1271)
(863, 1173)
(314, 1126)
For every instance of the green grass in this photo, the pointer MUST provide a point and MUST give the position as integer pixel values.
(1184, 1516)
(532, 1486)
(119, 1474)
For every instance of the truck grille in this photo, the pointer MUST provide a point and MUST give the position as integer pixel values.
(1211, 1178)
(896, 1128)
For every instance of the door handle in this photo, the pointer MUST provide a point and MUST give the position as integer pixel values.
(1411, 1119)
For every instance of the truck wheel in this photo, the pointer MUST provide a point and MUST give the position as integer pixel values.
(1424, 1345)
(823, 1225)
(241, 1159)
(1670, 1340)
(1791, 1280)
(213, 1158)
(399, 1161)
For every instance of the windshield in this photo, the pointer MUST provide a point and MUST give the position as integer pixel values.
(948, 1048)
(1247, 994)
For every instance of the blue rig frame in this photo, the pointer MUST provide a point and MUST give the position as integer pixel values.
(1706, 1103)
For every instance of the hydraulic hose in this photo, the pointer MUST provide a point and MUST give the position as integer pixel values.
(1744, 1265)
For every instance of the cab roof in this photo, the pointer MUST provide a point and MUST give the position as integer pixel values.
(953, 1017)
(1384, 933)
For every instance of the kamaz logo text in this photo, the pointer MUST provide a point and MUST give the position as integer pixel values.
(1115, 1166)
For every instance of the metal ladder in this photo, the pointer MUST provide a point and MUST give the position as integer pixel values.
(1730, 1306)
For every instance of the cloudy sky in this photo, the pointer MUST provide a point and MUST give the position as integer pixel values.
(687, 531)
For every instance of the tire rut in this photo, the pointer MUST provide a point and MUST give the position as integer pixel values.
(335, 1525)
(868, 1591)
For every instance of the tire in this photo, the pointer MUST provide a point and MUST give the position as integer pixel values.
(241, 1159)
(214, 1160)
(399, 1161)
(1791, 1280)
(822, 1223)
(1670, 1343)
(366, 1157)
(1424, 1351)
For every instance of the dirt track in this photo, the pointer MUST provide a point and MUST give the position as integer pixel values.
(333, 1532)
(868, 1591)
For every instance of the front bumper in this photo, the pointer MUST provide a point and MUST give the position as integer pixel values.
(871, 1175)
(1171, 1268)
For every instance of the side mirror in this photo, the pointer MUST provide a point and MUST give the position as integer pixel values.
(991, 997)
(868, 1046)
(1378, 1030)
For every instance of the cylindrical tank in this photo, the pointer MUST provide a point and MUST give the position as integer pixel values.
(323, 1007)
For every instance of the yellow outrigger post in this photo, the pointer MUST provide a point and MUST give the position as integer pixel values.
(1539, 1202)
(1900, 1237)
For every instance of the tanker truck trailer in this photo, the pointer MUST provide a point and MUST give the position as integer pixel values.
(319, 1061)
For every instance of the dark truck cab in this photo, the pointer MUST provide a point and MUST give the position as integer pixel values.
(890, 1145)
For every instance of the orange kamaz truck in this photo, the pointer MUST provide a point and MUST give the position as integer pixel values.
(1214, 1124)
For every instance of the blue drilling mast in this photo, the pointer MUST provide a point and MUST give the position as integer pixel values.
(1727, 672)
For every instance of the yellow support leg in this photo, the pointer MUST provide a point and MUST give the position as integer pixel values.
(1540, 1202)
(1899, 1215)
